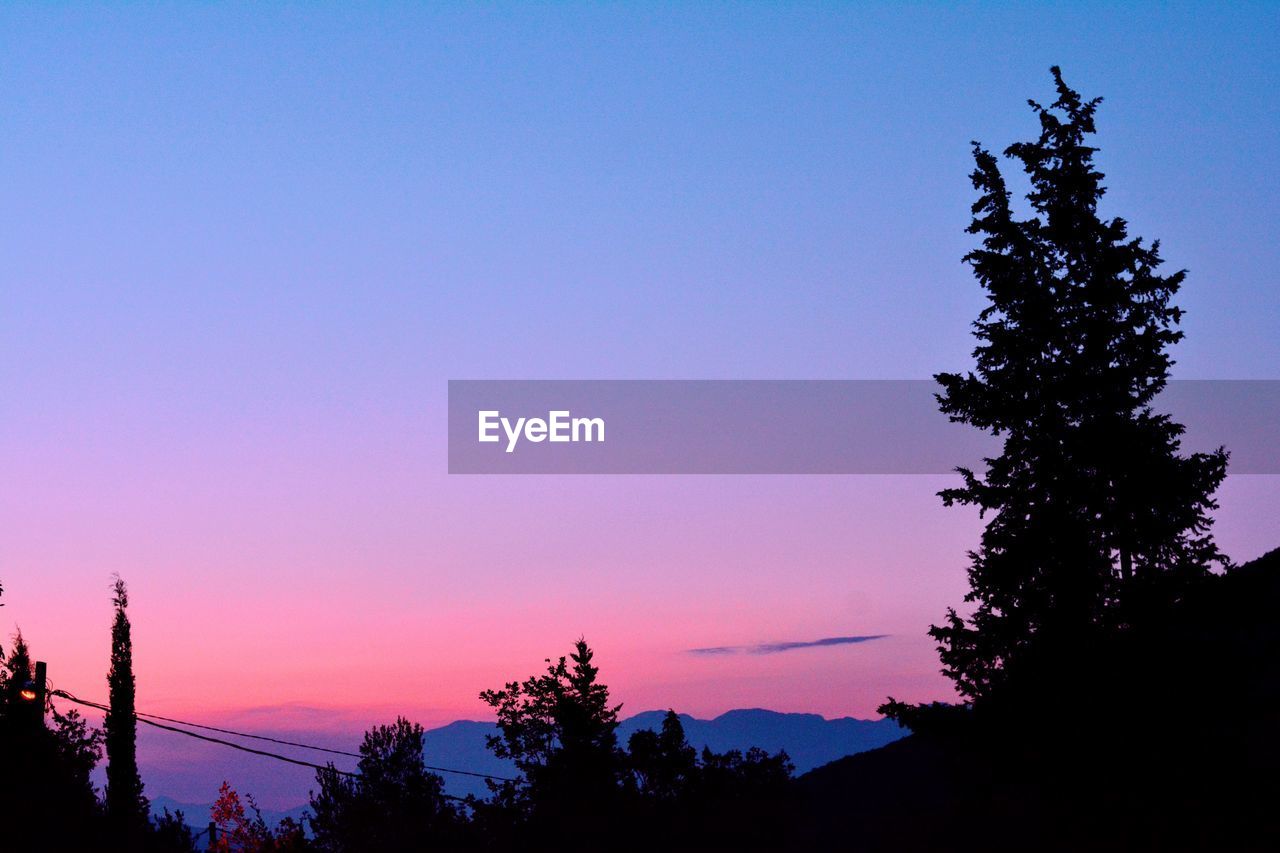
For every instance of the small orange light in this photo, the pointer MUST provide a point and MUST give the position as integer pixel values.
(28, 693)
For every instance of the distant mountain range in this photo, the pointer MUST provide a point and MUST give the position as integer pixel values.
(809, 739)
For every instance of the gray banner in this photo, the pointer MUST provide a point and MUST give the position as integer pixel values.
(785, 426)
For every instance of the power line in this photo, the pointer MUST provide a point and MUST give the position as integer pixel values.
(150, 719)
(239, 746)
(324, 767)
(141, 714)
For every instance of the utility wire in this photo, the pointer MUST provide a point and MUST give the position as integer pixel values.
(198, 736)
(246, 734)
(326, 767)
(150, 719)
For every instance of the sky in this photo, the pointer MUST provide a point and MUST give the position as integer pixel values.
(245, 247)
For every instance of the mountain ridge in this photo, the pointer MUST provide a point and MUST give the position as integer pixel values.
(811, 740)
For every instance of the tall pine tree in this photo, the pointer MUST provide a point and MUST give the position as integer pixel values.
(1094, 514)
(127, 807)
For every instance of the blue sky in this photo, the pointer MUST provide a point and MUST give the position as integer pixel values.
(394, 192)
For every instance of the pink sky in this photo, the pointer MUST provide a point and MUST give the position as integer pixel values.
(369, 583)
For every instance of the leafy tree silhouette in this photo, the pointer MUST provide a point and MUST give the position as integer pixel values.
(172, 834)
(731, 800)
(664, 763)
(1095, 517)
(127, 807)
(579, 790)
(560, 730)
(394, 804)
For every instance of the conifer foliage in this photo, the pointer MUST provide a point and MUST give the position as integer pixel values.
(127, 807)
(1095, 517)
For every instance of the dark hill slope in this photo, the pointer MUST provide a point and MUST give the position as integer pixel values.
(1165, 739)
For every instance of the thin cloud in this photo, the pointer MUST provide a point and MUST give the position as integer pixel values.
(787, 646)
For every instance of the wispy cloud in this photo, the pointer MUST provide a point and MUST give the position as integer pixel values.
(786, 646)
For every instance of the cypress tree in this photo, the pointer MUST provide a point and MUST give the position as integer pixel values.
(127, 807)
(1094, 514)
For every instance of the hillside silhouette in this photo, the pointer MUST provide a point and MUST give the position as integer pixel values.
(1167, 741)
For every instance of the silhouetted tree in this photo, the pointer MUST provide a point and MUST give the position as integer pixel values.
(683, 800)
(47, 799)
(560, 730)
(743, 799)
(171, 834)
(393, 804)
(17, 672)
(127, 808)
(663, 762)
(290, 836)
(1094, 514)
(578, 790)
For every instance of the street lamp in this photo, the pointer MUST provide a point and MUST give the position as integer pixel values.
(33, 689)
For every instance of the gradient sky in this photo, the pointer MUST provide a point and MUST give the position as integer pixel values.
(244, 247)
